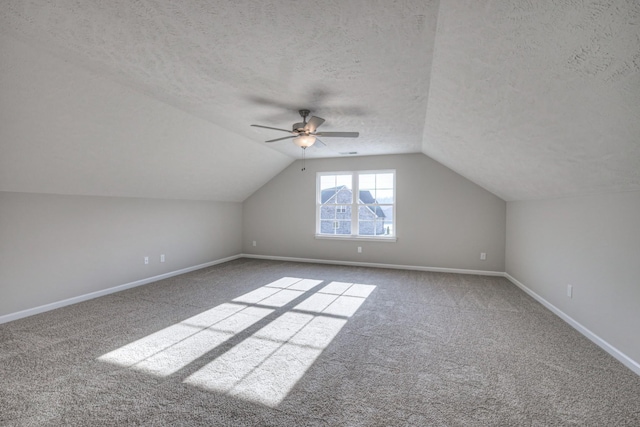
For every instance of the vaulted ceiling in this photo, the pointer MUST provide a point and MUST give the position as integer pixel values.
(529, 99)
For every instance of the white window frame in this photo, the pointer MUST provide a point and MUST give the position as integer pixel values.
(354, 207)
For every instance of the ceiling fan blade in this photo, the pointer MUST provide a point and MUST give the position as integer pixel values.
(280, 139)
(313, 123)
(268, 127)
(339, 134)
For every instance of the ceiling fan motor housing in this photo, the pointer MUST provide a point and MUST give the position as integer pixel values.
(298, 127)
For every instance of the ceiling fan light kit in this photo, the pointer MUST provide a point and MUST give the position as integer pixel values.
(305, 133)
(305, 141)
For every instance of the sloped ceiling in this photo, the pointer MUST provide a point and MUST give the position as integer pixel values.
(537, 99)
(155, 98)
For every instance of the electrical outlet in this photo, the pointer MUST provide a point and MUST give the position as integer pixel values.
(483, 256)
(162, 258)
(255, 243)
(146, 260)
(570, 291)
(359, 249)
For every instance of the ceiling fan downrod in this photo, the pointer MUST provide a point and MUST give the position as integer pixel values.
(304, 114)
(300, 127)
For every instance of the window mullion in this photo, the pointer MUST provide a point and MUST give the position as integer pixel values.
(354, 204)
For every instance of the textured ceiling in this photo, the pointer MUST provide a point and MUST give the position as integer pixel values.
(361, 65)
(64, 130)
(529, 99)
(537, 99)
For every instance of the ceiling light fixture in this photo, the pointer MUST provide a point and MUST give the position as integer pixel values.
(305, 141)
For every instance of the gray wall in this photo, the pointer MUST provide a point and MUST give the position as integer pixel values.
(57, 247)
(592, 243)
(443, 219)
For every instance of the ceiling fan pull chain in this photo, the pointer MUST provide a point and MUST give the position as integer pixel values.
(304, 160)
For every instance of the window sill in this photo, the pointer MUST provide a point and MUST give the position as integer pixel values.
(391, 239)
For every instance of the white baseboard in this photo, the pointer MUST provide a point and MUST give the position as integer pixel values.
(620, 356)
(52, 306)
(623, 358)
(376, 265)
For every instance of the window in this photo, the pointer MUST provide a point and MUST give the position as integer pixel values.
(356, 204)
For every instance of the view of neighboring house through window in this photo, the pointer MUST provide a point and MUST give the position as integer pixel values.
(374, 203)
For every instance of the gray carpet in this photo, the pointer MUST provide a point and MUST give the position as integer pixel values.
(236, 345)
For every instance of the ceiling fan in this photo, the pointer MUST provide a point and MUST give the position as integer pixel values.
(305, 133)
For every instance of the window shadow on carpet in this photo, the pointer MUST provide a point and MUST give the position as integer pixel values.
(302, 318)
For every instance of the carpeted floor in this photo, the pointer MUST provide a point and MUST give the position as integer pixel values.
(256, 343)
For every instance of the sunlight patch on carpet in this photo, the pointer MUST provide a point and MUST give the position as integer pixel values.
(266, 366)
(169, 350)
